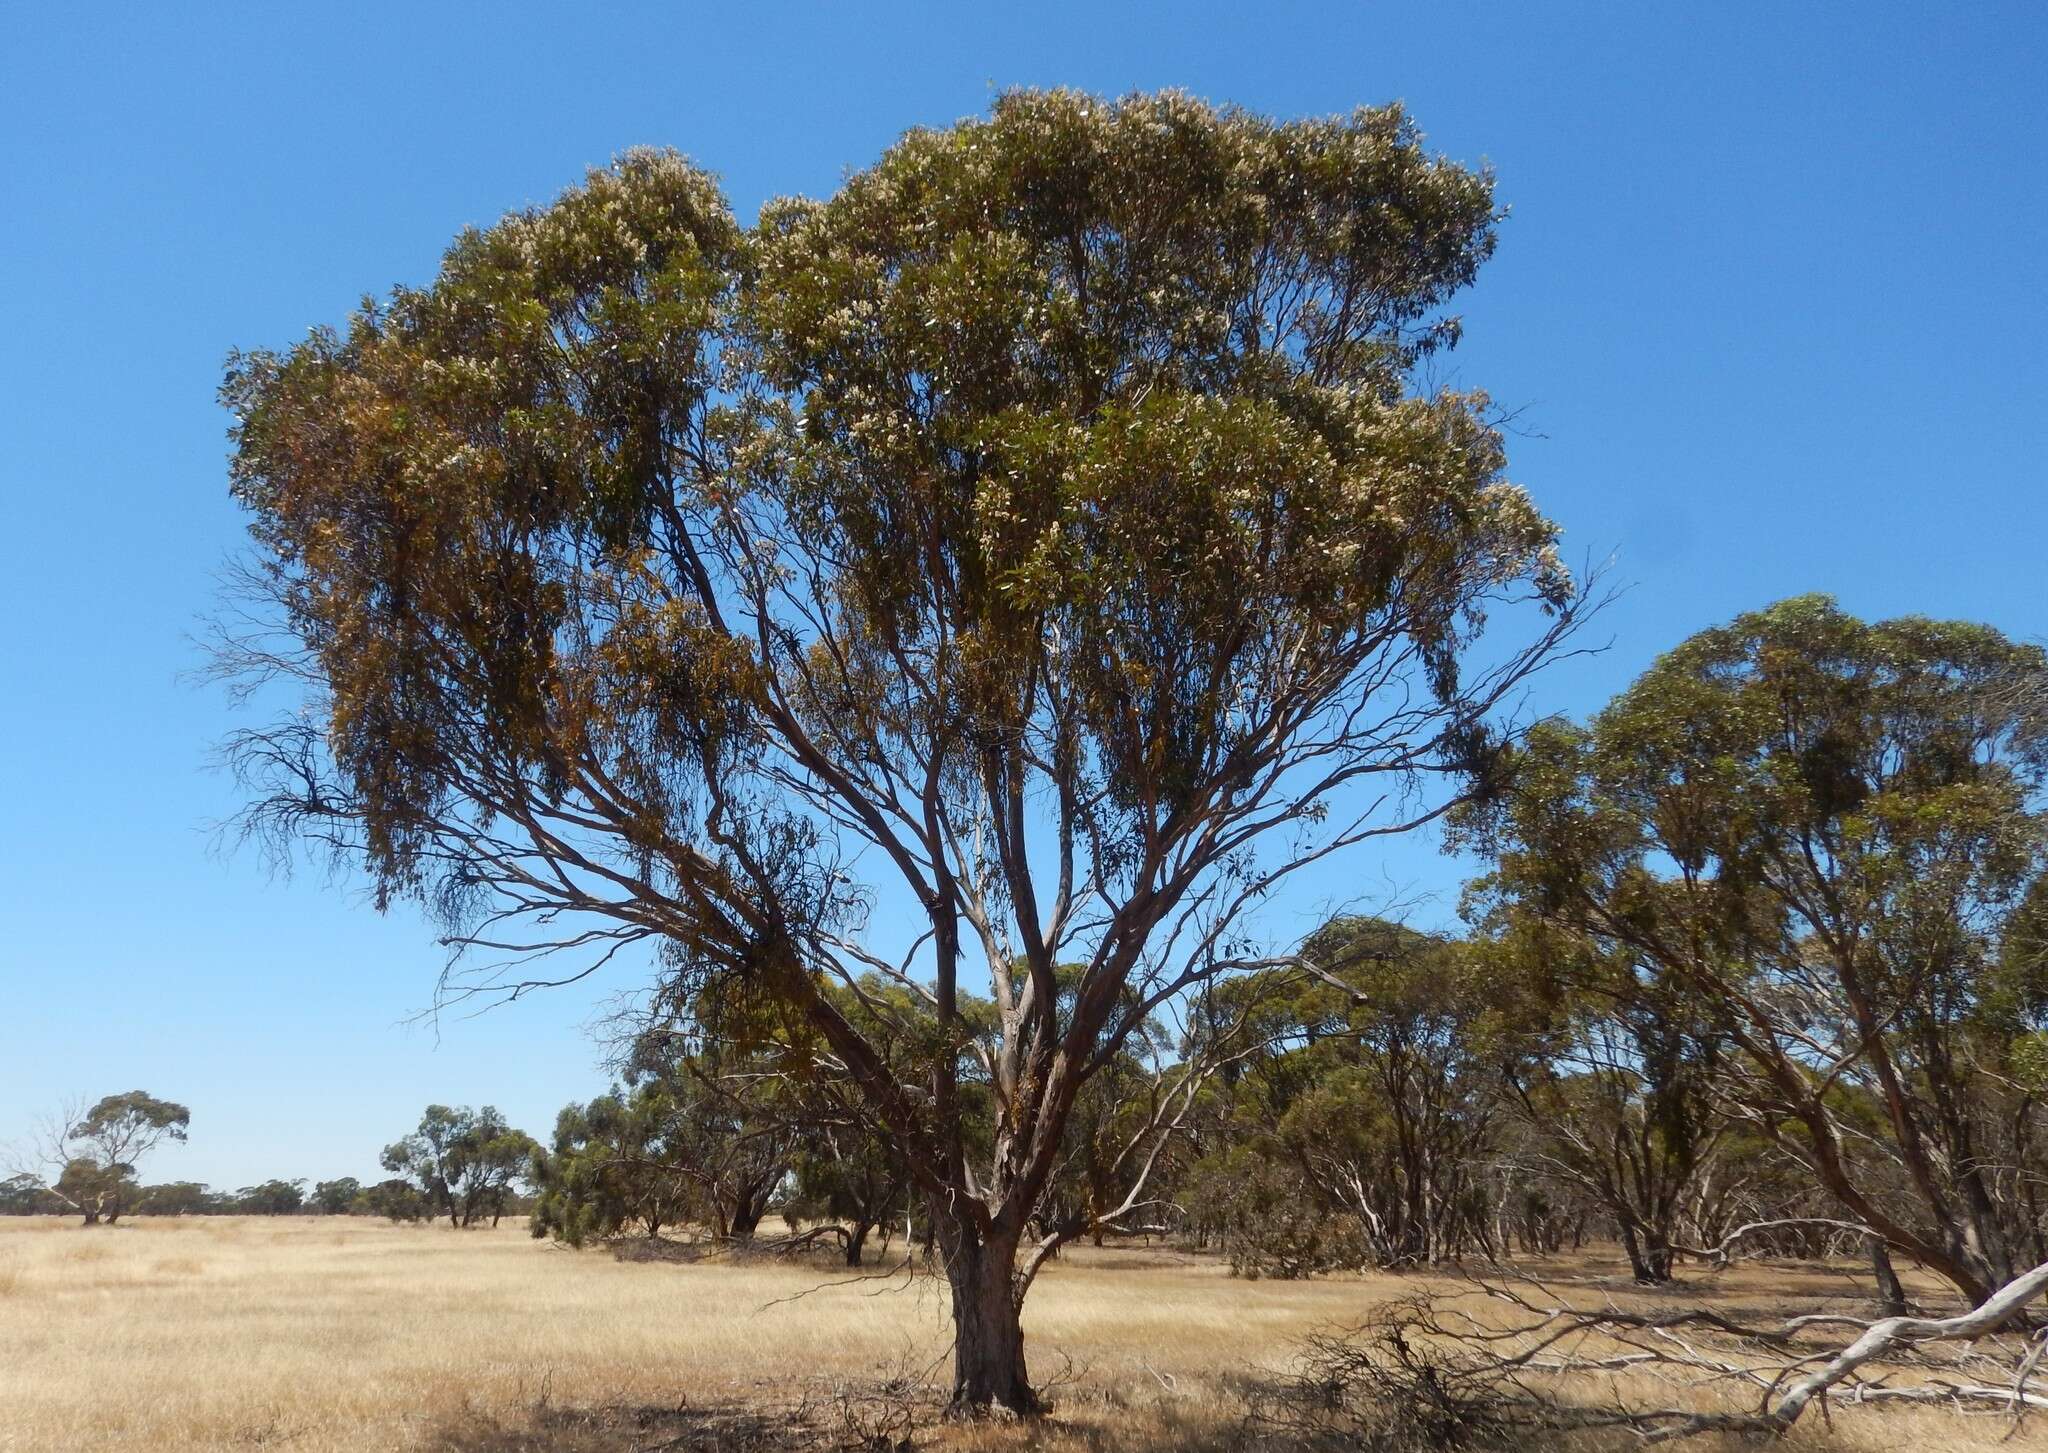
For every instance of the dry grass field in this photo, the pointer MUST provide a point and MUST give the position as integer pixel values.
(320, 1334)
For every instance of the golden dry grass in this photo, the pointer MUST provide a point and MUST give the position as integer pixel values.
(322, 1334)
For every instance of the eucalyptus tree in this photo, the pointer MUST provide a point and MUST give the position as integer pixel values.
(86, 1155)
(271, 1198)
(396, 1199)
(692, 1138)
(426, 1158)
(463, 1161)
(1429, 1024)
(1821, 837)
(1370, 1102)
(180, 1198)
(22, 1193)
(616, 1161)
(851, 1177)
(1128, 1131)
(1613, 1082)
(728, 1120)
(333, 1198)
(1046, 536)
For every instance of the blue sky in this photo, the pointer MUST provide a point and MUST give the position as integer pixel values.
(1772, 303)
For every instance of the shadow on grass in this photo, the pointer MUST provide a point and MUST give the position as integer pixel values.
(682, 1429)
(876, 1421)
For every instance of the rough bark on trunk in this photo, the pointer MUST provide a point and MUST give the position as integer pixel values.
(988, 1337)
(854, 1241)
(1891, 1295)
(1649, 1255)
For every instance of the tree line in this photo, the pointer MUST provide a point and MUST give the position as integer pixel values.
(1759, 963)
(85, 1161)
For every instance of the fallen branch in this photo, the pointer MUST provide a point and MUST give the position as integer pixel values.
(1460, 1378)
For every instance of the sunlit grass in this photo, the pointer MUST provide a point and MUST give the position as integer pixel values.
(329, 1334)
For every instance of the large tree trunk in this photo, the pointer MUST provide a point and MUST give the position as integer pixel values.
(855, 1239)
(1657, 1253)
(988, 1337)
(1649, 1255)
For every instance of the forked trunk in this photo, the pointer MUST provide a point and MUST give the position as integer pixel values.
(988, 1337)
(1649, 1255)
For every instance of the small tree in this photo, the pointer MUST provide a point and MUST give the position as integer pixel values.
(462, 1161)
(87, 1156)
(730, 1129)
(618, 1161)
(24, 1194)
(334, 1198)
(848, 1175)
(272, 1198)
(1357, 1130)
(396, 1200)
(489, 1158)
(1615, 1087)
(179, 1198)
(99, 1192)
(427, 1157)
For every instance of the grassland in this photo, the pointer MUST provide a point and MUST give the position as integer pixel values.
(321, 1334)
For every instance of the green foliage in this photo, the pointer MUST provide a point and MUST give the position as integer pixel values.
(271, 1198)
(125, 1127)
(1817, 840)
(23, 1194)
(336, 1197)
(1271, 1219)
(100, 1192)
(462, 1161)
(182, 1198)
(622, 1159)
(1359, 1131)
(1062, 491)
(96, 1154)
(396, 1200)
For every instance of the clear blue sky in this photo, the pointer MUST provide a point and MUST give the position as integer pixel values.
(1772, 299)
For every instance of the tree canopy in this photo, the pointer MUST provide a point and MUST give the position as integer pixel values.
(87, 1156)
(462, 1161)
(1817, 842)
(1048, 527)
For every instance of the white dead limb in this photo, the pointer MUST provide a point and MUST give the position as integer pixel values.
(1442, 1363)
